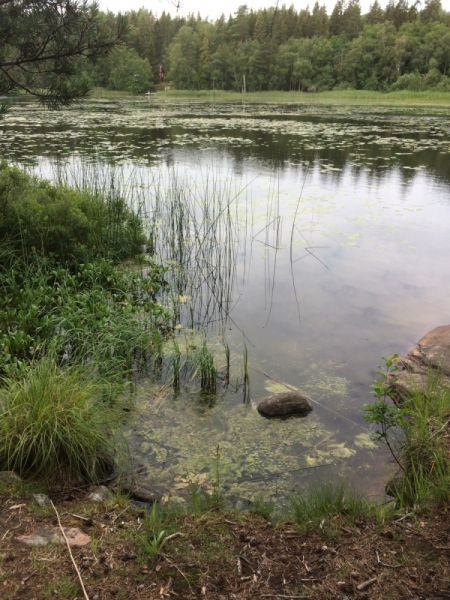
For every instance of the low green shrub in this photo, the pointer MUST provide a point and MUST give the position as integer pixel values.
(68, 223)
(93, 312)
(58, 424)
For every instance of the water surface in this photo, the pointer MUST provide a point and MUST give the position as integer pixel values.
(337, 252)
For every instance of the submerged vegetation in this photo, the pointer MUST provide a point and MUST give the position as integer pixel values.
(77, 322)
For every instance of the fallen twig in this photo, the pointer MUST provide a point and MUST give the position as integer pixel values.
(439, 430)
(79, 517)
(248, 562)
(404, 517)
(173, 536)
(239, 567)
(366, 584)
(29, 577)
(384, 564)
(70, 552)
(177, 568)
(280, 596)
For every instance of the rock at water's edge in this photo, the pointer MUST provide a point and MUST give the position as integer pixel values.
(286, 404)
(99, 493)
(137, 491)
(423, 367)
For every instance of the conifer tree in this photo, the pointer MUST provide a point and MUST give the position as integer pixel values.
(375, 14)
(260, 32)
(41, 43)
(337, 18)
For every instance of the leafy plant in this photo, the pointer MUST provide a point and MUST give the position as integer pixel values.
(154, 546)
(381, 414)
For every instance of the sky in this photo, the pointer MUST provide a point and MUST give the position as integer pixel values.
(214, 8)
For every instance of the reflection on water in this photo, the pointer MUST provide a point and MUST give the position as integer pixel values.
(339, 254)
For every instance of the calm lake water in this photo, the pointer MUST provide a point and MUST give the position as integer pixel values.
(333, 249)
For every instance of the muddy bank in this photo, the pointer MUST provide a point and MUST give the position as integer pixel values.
(220, 555)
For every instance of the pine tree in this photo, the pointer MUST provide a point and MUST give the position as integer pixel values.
(260, 32)
(375, 14)
(319, 21)
(337, 18)
(204, 66)
(431, 11)
(41, 44)
(352, 22)
(304, 23)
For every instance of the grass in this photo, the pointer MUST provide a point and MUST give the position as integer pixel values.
(328, 507)
(58, 424)
(331, 97)
(101, 92)
(422, 448)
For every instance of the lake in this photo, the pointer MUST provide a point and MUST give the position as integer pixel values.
(313, 237)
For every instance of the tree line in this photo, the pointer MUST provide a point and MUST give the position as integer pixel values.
(403, 46)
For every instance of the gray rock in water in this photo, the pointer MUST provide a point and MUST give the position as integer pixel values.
(99, 494)
(286, 404)
(423, 367)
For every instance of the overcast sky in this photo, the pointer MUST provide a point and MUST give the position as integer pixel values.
(214, 8)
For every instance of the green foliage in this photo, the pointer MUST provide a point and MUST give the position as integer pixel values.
(41, 44)
(78, 313)
(383, 415)
(326, 502)
(419, 449)
(282, 49)
(58, 424)
(261, 507)
(58, 221)
(130, 73)
(154, 537)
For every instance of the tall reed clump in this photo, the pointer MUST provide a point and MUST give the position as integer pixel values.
(59, 424)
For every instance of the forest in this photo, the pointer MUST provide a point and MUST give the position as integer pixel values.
(401, 47)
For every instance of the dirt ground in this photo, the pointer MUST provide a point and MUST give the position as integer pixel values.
(221, 555)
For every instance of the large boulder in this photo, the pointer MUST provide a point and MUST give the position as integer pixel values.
(286, 404)
(424, 368)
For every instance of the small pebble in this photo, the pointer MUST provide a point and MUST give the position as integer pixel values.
(141, 587)
(431, 572)
(354, 575)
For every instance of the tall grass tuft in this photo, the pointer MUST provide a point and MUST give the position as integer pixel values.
(423, 451)
(328, 501)
(58, 424)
